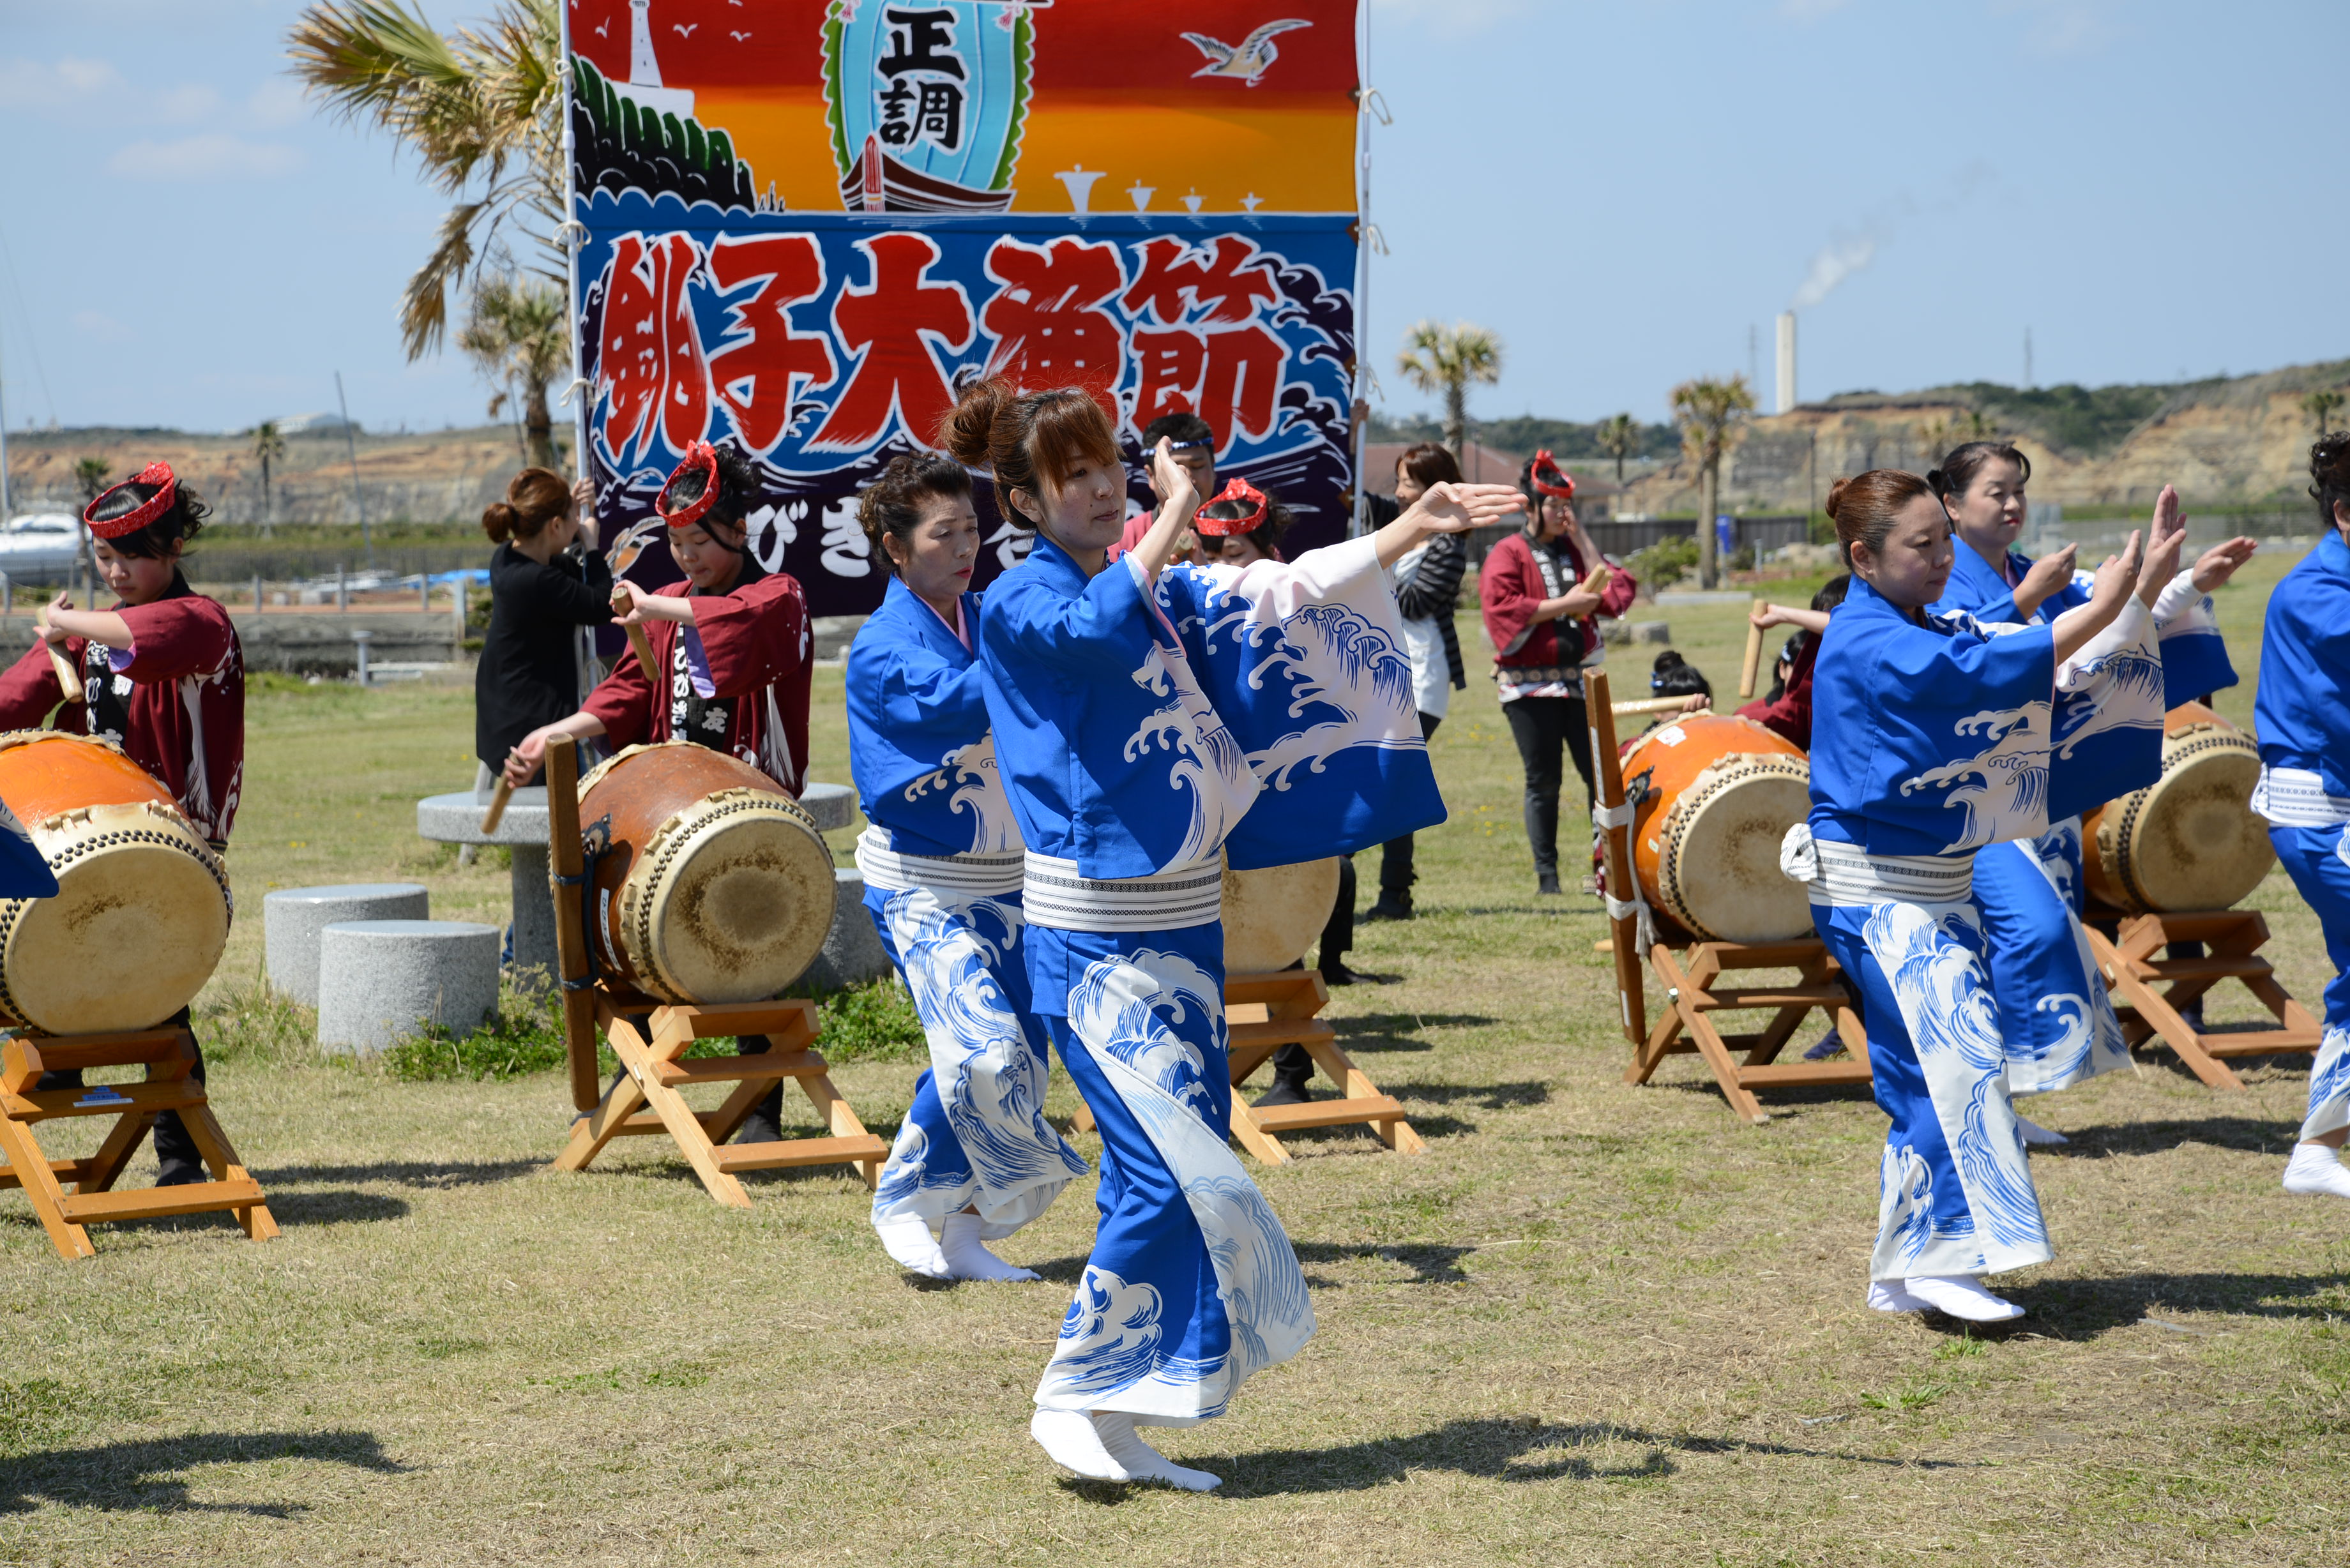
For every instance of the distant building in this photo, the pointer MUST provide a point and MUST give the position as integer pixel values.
(316, 424)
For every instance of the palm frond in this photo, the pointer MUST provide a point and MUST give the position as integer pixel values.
(425, 301)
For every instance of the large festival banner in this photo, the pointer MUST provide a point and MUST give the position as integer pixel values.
(809, 224)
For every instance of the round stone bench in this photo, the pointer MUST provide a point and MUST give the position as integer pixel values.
(833, 805)
(380, 979)
(292, 919)
(853, 953)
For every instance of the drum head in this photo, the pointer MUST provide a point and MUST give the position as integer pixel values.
(1720, 861)
(135, 932)
(2192, 842)
(1273, 915)
(735, 899)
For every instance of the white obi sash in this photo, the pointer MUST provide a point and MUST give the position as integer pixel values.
(2296, 797)
(972, 876)
(1844, 876)
(1054, 894)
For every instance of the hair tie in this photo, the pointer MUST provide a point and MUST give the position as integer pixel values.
(159, 474)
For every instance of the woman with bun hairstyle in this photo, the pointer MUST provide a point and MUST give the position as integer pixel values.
(162, 677)
(975, 1160)
(2302, 714)
(541, 592)
(1141, 711)
(2056, 1019)
(1931, 738)
(1544, 624)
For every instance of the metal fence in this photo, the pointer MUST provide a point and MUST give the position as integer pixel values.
(1620, 539)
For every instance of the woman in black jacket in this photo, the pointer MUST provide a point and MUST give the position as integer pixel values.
(540, 595)
(1428, 592)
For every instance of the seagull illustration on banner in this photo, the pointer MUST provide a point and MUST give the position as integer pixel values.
(1250, 60)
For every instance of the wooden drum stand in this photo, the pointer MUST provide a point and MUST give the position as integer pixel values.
(2125, 946)
(651, 1039)
(1690, 978)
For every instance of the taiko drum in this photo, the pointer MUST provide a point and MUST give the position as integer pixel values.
(708, 883)
(142, 907)
(1716, 793)
(1273, 915)
(2189, 840)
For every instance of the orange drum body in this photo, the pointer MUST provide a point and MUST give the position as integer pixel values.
(142, 907)
(1721, 793)
(2189, 840)
(710, 884)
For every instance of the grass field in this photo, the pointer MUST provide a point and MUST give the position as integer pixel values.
(1592, 1324)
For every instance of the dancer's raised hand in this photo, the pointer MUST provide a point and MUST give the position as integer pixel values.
(1446, 508)
(2215, 566)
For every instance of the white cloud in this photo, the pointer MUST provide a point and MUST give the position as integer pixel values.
(2062, 28)
(276, 103)
(185, 104)
(35, 84)
(99, 324)
(213, 155)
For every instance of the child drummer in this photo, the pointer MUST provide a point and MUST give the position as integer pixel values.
(162, 677)
(730, 644)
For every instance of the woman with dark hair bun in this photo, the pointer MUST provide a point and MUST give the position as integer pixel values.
(1141, 711)
(541, 592)
(2302, 714)
(1931, 738)
(975, 1160)
(162, 677)
(2058, 1026)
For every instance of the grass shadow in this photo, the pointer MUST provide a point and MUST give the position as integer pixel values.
(1430, 1263)
(148, 1477)
(429, 1174)
(2086, 1308)
(1494, 1448)
(2250, 1135)
(1484, 1097)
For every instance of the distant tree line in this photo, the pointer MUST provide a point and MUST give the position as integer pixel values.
(1569, 440)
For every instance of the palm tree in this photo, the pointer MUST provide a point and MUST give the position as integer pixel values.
(519, 333)
(1439, 359)
(482, 112)
(1708, 411)
(2320, 406)
(1619, 438)
(268, 445)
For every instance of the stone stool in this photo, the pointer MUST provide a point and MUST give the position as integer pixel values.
(457, 819)
(380, 979)
(853, 952)
(833, 805)
(292, 917)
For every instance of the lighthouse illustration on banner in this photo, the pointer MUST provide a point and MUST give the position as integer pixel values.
(644, 83)
(926, 103)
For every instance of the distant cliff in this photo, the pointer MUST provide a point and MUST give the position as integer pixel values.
(2240, 440)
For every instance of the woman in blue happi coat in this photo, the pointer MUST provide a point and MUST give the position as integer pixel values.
(1147, 717)
(1932, 737)
(976, 1159)
(2055, 1018)
(2302, 714)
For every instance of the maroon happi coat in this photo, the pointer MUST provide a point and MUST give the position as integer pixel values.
(173, 700)
(736, 681)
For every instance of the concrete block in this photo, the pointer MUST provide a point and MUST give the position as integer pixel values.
(853, 953)
(292, 917)
(833, 805)
(1657, 632)
(380, 979)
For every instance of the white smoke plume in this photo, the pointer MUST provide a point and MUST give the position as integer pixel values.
(1836, 261)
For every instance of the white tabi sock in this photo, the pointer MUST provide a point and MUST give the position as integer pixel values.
(1889, 1295)
(1140, 1460)
(2315, 1167)
(967, 1258)
(1962, 1296)
(2037, 1136)
(906, 1238)
(1069, 1437)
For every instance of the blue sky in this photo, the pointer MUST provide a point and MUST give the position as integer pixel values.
(1620, 189)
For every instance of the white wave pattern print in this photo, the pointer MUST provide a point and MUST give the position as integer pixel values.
(1325, 657)
(2329, 1081)
(973, 787)
(1932, 962)
(989, 1077)
(2002, 788)
(2099, 693)
(1128, 1009)
(1208, 763)
(2091, 1040)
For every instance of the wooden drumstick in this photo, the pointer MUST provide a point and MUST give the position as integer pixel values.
(68, 677)
(1753, 666)
(1601, 575)
(1648, 705)
(498, 798)
(639, 642)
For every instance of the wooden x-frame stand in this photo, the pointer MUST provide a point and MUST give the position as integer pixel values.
(1265, 1013)
(2233, 937)
(167, 1054)
(1691, 978)
(652, 1039)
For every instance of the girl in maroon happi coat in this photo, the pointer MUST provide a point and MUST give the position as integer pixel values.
(164, 677)
(1545, 627)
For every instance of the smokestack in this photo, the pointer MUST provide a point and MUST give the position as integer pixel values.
(1786, 361)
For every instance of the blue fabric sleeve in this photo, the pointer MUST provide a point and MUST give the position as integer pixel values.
(1106, 627)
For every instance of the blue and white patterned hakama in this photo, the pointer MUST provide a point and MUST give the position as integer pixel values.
(2054, 1016)
(2318, 861)
(976, 1135)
